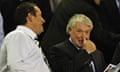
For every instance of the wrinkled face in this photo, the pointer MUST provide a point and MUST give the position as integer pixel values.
(38, 21)
(78, 33)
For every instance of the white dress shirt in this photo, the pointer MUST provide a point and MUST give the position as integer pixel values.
(1, 30)
(20, 53)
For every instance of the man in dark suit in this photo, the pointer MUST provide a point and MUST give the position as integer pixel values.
(56, 30)
(78, 53)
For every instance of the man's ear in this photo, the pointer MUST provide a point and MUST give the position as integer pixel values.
(29, 17)
(69, 31)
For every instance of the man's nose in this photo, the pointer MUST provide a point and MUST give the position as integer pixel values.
(84, 35)
(43, 20)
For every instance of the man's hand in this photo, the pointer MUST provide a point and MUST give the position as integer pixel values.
(89, 46)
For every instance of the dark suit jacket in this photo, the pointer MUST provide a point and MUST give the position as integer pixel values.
(116, 56)
(65, 57)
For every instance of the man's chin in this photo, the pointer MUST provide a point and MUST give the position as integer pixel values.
(80, 46)
(40, 32)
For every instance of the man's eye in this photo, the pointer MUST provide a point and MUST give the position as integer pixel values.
(79, 31)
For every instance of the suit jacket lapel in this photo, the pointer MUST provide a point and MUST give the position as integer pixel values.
(72, 49)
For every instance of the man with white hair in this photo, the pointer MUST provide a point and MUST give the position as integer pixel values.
(78, 53)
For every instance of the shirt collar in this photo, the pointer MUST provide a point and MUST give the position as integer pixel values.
(27, 31)
(74, 44)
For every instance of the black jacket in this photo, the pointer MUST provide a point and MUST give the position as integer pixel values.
(65, 57)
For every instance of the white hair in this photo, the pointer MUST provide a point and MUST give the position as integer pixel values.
(79, 18)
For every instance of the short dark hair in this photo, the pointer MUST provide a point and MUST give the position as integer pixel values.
(22, 11)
